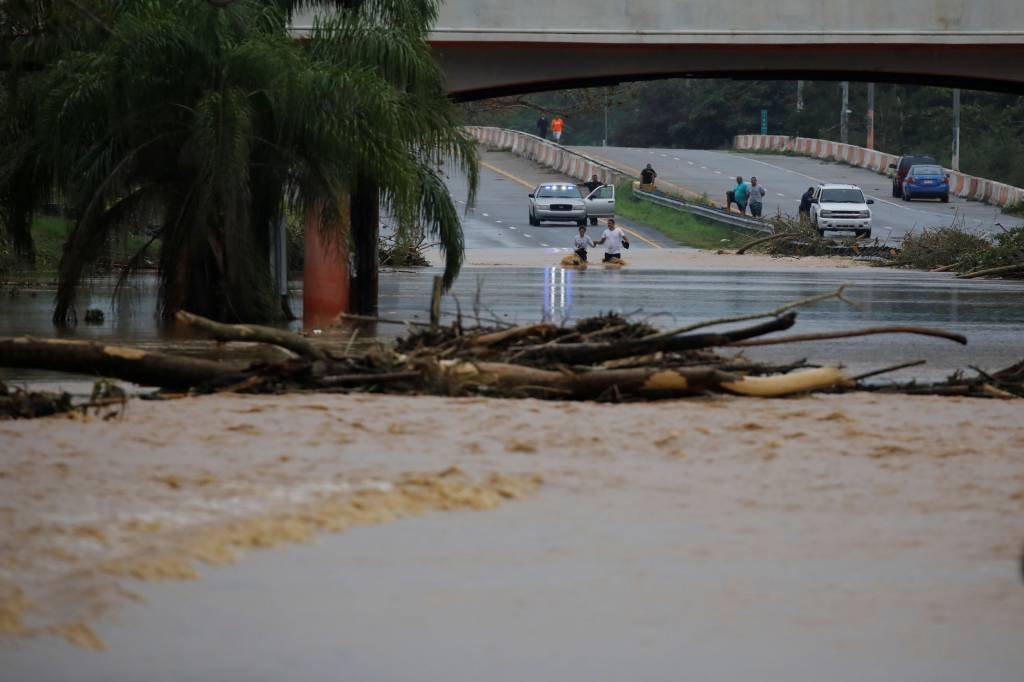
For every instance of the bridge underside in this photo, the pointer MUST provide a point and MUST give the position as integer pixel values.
(479, 70)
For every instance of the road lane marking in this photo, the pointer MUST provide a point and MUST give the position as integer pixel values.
(526, 235)
(704, 167)
(497, 221)
(508, 175)
(690, 162)
(485, 215)
(543, 244)
(780, 194)
(718, 172)
(676, 158)
(511, 227)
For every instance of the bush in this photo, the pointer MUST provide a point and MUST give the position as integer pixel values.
(940, 247)
(1007, 248)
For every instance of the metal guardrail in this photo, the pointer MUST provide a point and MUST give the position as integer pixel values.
(706, 212)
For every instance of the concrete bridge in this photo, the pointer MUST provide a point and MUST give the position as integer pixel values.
(497, 47)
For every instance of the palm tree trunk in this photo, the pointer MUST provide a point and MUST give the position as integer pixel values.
(365, 212)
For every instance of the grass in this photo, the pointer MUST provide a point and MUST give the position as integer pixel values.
(50, 232)
(684, 228)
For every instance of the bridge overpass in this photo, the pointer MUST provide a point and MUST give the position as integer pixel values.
(498, 47)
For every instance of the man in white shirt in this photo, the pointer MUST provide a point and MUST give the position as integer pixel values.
(614, 240)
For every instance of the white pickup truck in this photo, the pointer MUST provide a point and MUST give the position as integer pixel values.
(841, 207)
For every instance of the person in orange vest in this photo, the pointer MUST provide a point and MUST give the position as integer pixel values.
(556, 128)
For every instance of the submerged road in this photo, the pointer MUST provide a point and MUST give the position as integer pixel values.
(786, 178)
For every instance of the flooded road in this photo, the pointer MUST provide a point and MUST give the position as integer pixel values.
(989, 313)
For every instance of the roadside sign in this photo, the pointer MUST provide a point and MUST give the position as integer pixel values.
(764, 121)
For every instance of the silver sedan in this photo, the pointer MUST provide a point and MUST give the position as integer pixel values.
(557, 203)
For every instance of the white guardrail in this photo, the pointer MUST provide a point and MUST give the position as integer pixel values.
(960, 184)
(582, 167)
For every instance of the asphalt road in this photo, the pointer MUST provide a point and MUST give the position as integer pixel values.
(786, 178)
(499, 219)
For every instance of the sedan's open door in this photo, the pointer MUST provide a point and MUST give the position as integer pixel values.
(601, 203)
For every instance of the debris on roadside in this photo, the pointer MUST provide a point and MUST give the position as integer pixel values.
(605, 358)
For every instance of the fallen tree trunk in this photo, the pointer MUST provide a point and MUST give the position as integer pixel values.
(643, 380)
(592, 353)
(118, 362)
(740, 251)
(254, 333)
(779, 385)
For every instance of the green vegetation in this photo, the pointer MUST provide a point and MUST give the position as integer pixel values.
(685, 228)
(211, 121)
(940, 247)
(951, 248)
(706, 114)
(1016, 209)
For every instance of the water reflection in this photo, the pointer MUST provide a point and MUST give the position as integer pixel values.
(557, 306)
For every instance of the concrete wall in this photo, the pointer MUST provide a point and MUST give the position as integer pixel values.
(732, 21)
(547, 153)
(960, 184)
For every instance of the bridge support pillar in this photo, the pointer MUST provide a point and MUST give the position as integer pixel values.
(325, 273)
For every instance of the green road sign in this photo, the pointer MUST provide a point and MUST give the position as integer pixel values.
(764, 121)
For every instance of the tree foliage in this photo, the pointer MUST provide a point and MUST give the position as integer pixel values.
(209, 117)
(706, 114)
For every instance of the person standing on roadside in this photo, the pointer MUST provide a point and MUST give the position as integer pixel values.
(805, 205)
(647, 176)
(614, 240)
(542, 127)
(739, 195)
(757, 193)
(556, 128)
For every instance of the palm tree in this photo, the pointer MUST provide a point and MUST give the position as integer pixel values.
(209, 116)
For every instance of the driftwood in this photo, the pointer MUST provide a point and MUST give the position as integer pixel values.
(120, 362)
(1001, 270)
(868, 331)
(780, 385)
(254, 333)
(740, 251)
(513, 333)
(602, 358)
(647, 380)
(838, 294)
(599, 352)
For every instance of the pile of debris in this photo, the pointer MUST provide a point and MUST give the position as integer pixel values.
(606, 358)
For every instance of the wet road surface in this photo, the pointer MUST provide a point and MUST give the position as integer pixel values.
(786, 178)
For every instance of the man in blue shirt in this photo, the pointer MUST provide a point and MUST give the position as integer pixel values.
(740, 193)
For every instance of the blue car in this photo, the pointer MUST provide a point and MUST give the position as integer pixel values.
(925, 181)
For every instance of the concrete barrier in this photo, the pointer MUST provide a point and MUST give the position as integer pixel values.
(582, 167)
(960, 184)
(548, 153)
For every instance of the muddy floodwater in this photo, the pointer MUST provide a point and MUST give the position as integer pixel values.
(989, 313)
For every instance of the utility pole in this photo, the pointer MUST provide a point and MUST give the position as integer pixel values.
(844, 116)
(956, 129)
(604, 138)
(871, 116)
(799, 96)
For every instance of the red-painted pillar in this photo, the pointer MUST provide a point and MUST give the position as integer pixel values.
(325, 274)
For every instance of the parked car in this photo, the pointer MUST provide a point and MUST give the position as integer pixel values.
(841, 207)
(600, 203)
(557, 203)
(926, 180)
(902, 166)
